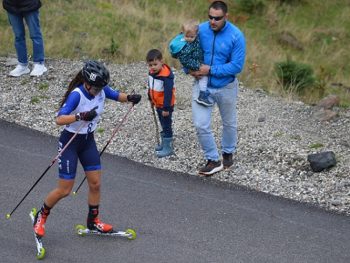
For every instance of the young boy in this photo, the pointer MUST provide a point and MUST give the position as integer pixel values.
(187, 49)
(161, 93)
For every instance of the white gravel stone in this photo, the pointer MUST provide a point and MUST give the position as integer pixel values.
(275, 135)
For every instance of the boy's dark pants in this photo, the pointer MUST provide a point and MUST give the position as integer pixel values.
(166, 123)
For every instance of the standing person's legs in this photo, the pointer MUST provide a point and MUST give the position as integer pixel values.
(201, 117)
(17, 24)
(227, 103)
(202, 121)
(167, 140)
(33, 22)
(166, 123)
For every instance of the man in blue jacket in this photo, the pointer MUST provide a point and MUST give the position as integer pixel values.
(224, 55)
(19, 11)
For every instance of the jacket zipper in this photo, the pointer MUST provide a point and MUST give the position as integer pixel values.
(212, 57)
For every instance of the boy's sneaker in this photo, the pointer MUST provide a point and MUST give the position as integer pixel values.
(19, 71)
(97, 225)
(227, 160)
(38, 70)
(211, 167)
(203, 99)
(39, 224)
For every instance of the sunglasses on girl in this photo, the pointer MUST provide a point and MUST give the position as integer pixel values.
(216, 18)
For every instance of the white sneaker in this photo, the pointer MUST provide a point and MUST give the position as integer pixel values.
(19, 71)
(38, 70)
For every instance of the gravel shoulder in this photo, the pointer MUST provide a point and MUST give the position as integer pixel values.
(275, 135)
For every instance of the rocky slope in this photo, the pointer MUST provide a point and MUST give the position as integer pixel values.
(275, 135)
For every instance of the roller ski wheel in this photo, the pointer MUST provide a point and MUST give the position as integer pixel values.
(130, 234)
(38, 240)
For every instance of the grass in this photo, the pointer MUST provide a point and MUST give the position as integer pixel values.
(43, 86)
(316, 145)
(34, 100)
(123, 31)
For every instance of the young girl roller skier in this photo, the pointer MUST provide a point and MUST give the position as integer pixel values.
(79, 111)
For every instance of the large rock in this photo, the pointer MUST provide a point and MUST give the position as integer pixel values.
(329, 102)
(321, 161)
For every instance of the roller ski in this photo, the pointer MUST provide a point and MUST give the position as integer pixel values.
(38, 239)
(98, 228)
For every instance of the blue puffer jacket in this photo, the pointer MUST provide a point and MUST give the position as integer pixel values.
(224, 51)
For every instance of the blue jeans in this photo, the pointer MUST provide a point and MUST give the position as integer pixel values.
(226, 99)
(33, 23)
(166, 123)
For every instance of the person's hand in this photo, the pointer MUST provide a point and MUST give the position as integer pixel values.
(88, 115)
(203, 71)
(165, 113)
(134, 98)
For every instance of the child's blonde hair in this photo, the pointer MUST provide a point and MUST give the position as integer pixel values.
(190, 25)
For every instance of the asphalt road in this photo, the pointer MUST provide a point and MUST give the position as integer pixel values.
(178, 217)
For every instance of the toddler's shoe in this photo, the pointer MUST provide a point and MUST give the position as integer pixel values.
(203, 99)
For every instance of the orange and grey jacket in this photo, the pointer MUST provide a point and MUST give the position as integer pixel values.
(161, 89)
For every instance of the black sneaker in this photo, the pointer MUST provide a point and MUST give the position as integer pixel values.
(227, 160)
(211, 167)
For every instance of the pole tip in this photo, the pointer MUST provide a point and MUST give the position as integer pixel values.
(8, 216)
(74, 193)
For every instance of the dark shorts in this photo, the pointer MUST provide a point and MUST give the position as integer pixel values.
(83, 147)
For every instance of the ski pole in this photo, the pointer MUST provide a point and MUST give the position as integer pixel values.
(155, 123)
(109, 141)
(42, 175)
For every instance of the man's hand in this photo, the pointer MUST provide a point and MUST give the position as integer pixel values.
(203, 71)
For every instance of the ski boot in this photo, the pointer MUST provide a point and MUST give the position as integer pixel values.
(38, 239)
(39, 224)
(97, 225)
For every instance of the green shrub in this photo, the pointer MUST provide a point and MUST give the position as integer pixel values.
(294, 76)
(289, 2)
(114, 47)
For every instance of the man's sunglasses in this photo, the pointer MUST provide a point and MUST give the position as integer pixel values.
(216, 18)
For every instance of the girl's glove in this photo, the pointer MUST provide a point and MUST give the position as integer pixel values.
(88, 115)
(134, 98)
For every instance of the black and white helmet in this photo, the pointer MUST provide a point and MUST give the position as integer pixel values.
(95, 73)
